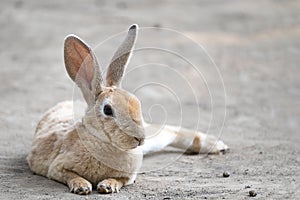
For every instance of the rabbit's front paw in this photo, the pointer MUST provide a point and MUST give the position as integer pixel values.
(210, 144)
(80, 186)
(108, 186)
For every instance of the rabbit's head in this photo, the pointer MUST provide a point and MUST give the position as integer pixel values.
(113, 114)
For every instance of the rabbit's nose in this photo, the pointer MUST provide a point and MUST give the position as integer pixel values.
(140, 140)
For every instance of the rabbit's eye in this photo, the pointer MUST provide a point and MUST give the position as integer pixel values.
(108, 110)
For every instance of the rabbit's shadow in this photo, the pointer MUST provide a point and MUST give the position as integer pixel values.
(15, 173)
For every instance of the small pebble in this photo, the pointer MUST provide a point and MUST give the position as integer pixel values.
(247, 186)
(226, 174)
(157, 25)
(252, 193)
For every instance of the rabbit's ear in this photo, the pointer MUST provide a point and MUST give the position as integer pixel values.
(120, 59)
(83, 68)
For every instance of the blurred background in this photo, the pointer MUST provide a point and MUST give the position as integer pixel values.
(255, 88)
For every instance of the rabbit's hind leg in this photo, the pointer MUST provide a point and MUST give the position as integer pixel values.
(189, 140)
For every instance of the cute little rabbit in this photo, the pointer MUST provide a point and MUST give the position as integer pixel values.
(105, 148)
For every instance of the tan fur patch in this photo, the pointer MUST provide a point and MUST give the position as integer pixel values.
(195, 147)
(196, 144)
(134, 109)
(126, 103)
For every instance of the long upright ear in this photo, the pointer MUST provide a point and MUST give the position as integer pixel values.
(120, 59)
(83, 68)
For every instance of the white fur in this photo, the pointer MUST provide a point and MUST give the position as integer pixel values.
(179, 138)
(157, 142)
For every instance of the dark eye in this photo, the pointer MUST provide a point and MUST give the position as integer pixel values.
(108, 110)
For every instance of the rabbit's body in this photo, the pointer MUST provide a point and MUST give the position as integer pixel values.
(57, 151)
(106, 146)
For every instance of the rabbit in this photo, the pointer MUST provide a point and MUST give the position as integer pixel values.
(105, 148)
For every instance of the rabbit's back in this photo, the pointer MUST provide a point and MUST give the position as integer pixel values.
(56, 123)
(57, 119)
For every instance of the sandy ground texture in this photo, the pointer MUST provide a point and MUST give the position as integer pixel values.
(255, 44)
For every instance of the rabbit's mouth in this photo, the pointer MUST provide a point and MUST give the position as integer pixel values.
(141, 141)
(135, 142)
(134, 134)
(131, 143)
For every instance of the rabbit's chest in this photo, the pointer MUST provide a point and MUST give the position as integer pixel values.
(96, 170)
(106, 165)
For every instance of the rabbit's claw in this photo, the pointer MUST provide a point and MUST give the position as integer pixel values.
(80, 186)
(108, 186)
